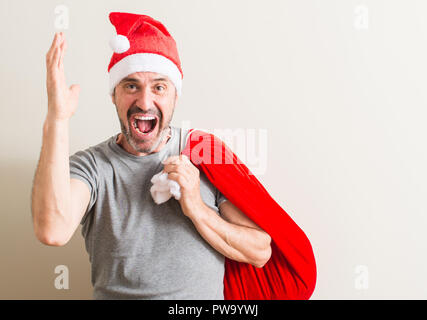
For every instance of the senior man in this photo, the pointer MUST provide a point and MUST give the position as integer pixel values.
(137, 248)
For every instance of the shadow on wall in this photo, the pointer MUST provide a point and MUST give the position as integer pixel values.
(27, 269)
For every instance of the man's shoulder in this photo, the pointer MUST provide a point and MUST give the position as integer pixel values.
(95, 152)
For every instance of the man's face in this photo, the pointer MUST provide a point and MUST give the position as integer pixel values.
(145, 102)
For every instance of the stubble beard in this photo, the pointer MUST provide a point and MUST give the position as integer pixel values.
(135, 143)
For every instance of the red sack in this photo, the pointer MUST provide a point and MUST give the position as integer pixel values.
(290, 274)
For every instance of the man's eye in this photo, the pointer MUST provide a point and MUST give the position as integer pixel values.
(130, 86)
(160, 88)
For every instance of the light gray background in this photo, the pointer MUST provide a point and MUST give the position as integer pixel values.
(344, 108)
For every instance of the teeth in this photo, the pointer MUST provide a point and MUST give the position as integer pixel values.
(145, 118)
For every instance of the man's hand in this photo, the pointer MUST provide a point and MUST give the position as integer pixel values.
(62, 101)
(235, 237)
(181, 170)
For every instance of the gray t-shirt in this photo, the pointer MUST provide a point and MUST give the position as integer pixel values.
(138, 249)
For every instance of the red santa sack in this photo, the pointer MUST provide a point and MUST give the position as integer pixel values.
(290, 274)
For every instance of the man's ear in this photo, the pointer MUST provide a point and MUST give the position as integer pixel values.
(113, 96)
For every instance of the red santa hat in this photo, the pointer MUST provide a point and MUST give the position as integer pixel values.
(142, 44)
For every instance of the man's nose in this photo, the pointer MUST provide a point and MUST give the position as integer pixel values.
(145, 99)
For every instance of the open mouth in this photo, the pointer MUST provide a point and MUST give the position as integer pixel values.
(144, 125)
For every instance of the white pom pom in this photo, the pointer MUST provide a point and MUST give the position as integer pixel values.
(119, 43)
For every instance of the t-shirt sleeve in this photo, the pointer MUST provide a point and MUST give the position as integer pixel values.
(220, 198)
(83, 167)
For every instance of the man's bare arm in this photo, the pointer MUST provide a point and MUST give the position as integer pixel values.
(235, 236)
(57, 203)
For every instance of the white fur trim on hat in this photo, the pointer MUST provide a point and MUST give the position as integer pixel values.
(140, 62)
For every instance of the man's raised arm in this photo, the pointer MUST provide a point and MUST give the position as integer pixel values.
(57, 203)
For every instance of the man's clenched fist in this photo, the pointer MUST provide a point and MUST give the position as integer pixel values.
(181, 170)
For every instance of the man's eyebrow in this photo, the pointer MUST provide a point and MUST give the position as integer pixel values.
(130, 79)
(159, 79)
